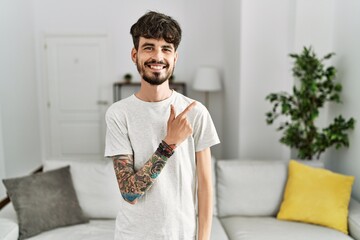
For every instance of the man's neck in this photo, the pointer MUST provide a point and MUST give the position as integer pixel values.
(154, 93)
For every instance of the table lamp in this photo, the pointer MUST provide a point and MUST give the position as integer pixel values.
(207, 79)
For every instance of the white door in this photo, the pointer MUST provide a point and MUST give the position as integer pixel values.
(77, 69)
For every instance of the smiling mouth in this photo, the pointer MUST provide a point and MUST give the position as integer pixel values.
(156, 67)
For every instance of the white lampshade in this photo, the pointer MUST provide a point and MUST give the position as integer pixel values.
(207, 79)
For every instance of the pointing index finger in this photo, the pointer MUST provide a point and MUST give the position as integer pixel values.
(188, 108)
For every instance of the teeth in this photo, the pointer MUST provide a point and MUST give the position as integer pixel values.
(156, 67)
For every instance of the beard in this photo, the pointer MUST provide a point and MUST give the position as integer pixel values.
(154, 78)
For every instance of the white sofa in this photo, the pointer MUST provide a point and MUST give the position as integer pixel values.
(248, 196)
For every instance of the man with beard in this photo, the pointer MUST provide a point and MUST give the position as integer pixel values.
(160, 142)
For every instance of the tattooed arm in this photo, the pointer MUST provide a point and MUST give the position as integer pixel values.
(133, 185)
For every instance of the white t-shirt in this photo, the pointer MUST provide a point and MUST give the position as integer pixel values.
(167, 210)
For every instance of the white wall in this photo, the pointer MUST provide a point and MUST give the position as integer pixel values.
(266, 40)
(18, 94)
(314, 25)
(232, 68)
(346, 46)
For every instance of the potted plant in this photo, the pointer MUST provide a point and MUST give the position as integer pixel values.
(315, 85)
(127, 78)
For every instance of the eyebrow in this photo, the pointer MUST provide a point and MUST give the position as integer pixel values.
(146, 44)
(168, 46)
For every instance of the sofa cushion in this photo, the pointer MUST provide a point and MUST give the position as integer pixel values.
(217, 230)
(44, 201)
(250, 188)
(9, 227)
(354, 219)
(94, 230)
(95, 185)
(316, 196)
(269, 228)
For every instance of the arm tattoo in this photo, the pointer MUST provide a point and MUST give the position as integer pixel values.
(134, 185)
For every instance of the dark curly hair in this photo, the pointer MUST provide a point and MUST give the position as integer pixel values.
(158, 26)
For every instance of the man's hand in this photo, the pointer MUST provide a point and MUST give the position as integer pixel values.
(178, 127)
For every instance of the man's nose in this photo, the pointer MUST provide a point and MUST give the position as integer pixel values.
(158, 55)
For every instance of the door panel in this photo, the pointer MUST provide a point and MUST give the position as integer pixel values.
(84, 138)
(78, 76)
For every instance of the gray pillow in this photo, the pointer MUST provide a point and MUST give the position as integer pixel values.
(44, 201)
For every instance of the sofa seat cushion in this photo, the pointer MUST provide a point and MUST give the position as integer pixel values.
(217, 230)
(269, 228)
(94, 230)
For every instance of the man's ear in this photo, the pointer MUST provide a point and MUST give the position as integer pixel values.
(133, 54)
(176, 56)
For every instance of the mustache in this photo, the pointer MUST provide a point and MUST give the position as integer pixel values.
(156, 62)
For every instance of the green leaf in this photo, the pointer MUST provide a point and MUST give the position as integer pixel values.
(338, 87)
(328, 56)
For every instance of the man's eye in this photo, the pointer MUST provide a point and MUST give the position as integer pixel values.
(148, 48)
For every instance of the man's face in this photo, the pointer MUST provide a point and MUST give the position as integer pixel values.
(155, 60)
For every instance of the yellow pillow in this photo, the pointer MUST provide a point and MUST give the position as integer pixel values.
(318, 196)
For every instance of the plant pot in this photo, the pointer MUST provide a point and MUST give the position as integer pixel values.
(312, 163)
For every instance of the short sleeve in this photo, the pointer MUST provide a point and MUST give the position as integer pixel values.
(117, 139)
(205, 134)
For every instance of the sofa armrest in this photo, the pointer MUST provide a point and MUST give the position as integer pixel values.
(9, 228)
(354, 219)
(217, 230)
